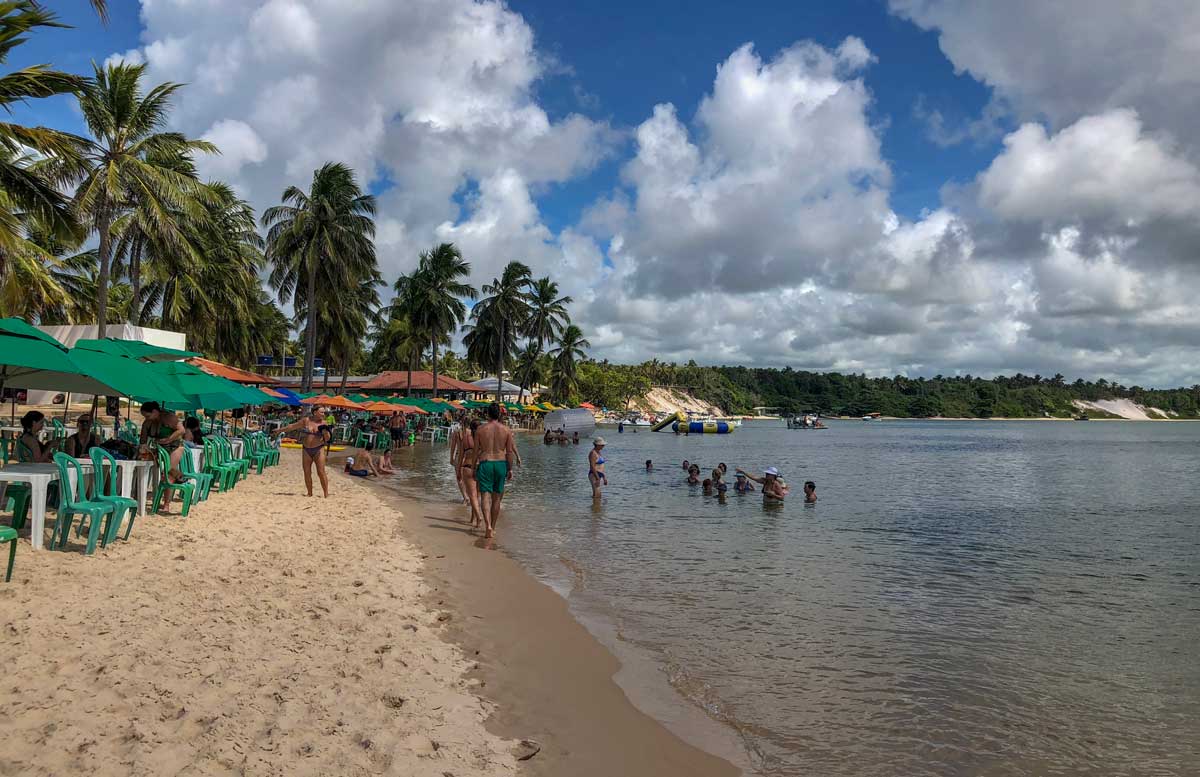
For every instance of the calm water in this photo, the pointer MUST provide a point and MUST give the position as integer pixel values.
(965, 599)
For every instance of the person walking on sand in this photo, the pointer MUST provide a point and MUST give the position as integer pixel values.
(456, 432)
(316, 436)
(495, 452)
(596, 474)
(466, 466)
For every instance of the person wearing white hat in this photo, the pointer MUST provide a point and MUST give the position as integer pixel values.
(596, 474)
(773, 489)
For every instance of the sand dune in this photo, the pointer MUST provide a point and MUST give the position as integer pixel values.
(266, 634)
(1125, 408)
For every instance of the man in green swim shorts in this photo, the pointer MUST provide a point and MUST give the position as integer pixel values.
(495, 452)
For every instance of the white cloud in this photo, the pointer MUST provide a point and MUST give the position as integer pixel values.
(435, 96)
(1066, 59)
(758, 227)
(1101, 167)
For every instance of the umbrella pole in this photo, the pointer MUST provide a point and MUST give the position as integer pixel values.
(66, 405)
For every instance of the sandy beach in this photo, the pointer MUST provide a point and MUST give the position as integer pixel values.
(269, 633)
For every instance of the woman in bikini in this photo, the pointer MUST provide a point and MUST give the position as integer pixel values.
(317, 435)
(596, 474)
(466, 466)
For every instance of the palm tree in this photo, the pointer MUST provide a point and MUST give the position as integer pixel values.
(563, 375)
(547, 316)
(399, 341)
(329, 229)
(28, 187)
(129, 161)
(500, 317)
(433, 296)
(145, 235)
(529, 366)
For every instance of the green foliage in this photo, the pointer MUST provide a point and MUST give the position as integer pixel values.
(740, 389)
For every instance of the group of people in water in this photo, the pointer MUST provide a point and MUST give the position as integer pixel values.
(774, 489)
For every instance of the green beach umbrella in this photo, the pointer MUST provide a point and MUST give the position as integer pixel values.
(135, 349)
(200, 389)
(32, 359)
(129, 377)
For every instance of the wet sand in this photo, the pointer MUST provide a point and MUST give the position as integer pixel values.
(549, 678)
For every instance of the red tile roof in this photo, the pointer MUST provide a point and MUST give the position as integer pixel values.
(230, 373)
(422, 380)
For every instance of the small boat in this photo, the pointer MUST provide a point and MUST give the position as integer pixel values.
(872, 416)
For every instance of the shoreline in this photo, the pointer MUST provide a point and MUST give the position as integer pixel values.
(541, 670)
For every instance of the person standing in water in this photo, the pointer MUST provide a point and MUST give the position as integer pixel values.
(810, 492)
(496, 453)
(596, 474)
(773, 489)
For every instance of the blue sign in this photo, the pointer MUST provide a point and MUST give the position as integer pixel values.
(266, 361)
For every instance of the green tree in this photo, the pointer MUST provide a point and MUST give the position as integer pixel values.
(128, 160)
(328, 230)
(547, 317)
(499, 317)
(433, 296)
(29, 188)
(564, 373)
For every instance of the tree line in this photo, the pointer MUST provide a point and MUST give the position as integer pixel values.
(739, 390)
(116, 225)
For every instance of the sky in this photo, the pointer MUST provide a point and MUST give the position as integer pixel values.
(911, 187)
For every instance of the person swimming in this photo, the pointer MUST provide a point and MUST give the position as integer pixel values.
(686, 465)
(693, 477)
(810, 492)
(708, 487)
(649, 465)
(742, 485)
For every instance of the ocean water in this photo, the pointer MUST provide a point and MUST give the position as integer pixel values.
(991, 598)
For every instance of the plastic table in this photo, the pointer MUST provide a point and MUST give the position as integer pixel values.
(39, 477)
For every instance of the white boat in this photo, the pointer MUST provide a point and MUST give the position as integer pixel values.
(613, 423)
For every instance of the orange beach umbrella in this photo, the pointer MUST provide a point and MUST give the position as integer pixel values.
(337, 400)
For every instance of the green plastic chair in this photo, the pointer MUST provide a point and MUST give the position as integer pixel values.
(263, 445)
(203, 480)
(122, 505)
(10, 536)
(74, 501)
(187, 490)
(17, 496)
(224, 475)
(227, 457)
(250, 452)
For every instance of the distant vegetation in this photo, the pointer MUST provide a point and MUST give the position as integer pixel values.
(739, 389)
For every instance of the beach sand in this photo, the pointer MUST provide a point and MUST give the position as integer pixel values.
(267, 633)
(272, 634)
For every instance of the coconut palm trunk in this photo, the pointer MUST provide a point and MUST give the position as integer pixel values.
(435, 372)
(310, 330)
(135, 281)
(500, 364)
(104, 228)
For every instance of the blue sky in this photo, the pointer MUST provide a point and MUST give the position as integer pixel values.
(616, 60)
(631, 55)
(880, 186)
